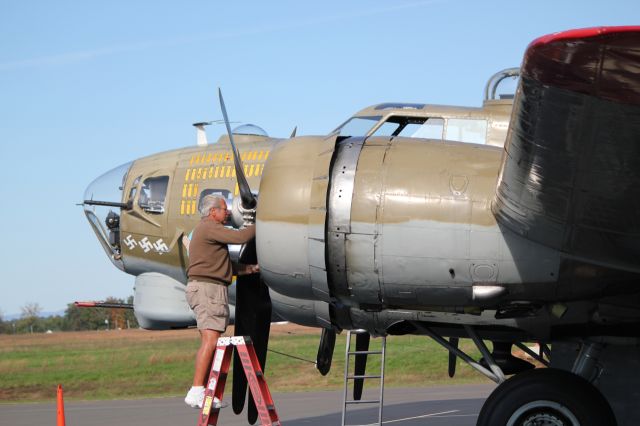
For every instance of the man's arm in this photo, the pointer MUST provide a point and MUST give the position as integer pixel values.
(232, 236)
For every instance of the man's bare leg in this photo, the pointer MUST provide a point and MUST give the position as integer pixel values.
(208, 342)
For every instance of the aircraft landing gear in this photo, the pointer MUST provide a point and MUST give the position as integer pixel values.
(546, 396)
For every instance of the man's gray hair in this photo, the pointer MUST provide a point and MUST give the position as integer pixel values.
(209, 202)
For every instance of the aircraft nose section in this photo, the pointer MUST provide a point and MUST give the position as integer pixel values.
(103, 203)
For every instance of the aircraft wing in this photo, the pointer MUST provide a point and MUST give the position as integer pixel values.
(570, 176)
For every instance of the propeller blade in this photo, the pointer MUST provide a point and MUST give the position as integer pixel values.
(360, 364)
(242, 328)
(452, 356)
(260, 337)
(293, 134)
(248, 253)
(244, 325)
(248, 199)
(325, 350)
(253, 319)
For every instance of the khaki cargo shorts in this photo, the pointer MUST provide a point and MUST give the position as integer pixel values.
(210, 303)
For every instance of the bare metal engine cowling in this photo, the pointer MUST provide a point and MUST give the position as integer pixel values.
(391, 222)
(291, 218)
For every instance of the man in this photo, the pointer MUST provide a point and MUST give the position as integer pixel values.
(210, 272)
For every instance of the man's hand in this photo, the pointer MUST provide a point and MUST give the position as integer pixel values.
(243, 269)
(253, 269)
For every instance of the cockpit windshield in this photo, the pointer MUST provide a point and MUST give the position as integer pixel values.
(357, 126)
(103, 201)
(407, 126)
(464, 129)
(412, 127)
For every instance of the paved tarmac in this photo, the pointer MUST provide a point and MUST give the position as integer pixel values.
(441, 405)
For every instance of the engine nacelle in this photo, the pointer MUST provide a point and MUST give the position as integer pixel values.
(384, 222)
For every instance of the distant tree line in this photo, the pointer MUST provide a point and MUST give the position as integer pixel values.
(74, 319)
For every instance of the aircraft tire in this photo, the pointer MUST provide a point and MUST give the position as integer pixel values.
(546, 396)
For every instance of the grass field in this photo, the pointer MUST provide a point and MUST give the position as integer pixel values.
(139, 363)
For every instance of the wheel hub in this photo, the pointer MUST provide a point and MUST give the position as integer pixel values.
(543, 419)
(543, 413)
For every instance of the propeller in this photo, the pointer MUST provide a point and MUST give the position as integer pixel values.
(360, 363)
(325, 351)
(253, 304)
(452, 356)
(244, 324)
(248, 199)
(253, 319)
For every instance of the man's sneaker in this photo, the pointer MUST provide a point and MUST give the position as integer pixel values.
(219, 404)
(195, 397)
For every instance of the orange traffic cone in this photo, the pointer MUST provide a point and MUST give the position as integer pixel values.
(60, 407)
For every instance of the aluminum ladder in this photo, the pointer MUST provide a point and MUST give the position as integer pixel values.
(347, 376)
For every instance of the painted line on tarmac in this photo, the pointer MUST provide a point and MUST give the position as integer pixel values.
(459, 415)
(413, 418)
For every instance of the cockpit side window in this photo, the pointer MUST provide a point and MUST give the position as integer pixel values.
(153, 193)
(467, 130)
(430, 129)
(388, 128)
(412, 127)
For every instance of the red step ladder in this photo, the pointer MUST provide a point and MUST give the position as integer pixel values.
(218, 377)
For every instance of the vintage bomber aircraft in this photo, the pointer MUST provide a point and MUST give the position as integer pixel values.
(141, 211)
(371, 228)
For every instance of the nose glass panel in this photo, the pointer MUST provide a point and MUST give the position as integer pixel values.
(103, 202)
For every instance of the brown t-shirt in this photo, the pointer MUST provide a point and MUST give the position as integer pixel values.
(208, 251)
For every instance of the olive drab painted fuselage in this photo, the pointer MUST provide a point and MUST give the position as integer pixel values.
(389, 218)
(151, 240)
(161, 194)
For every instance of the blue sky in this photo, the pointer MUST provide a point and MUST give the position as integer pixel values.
(86, 86)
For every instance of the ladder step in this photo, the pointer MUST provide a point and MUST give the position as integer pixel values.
(364, 401)
(365, 353)
(364, 377)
